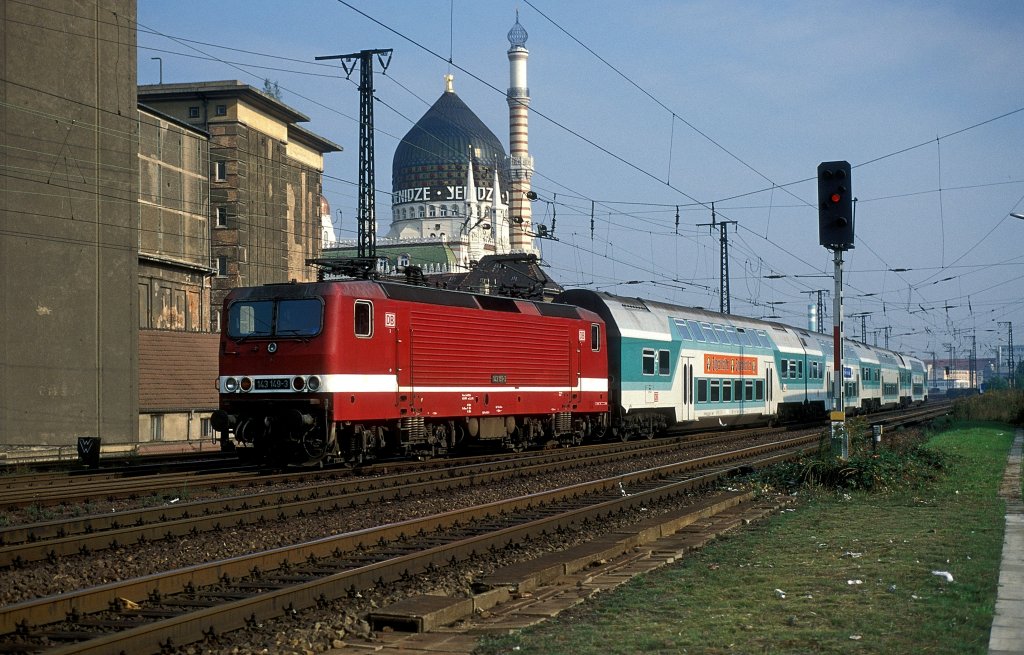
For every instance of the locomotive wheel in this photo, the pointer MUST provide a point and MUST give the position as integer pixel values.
(515, 439)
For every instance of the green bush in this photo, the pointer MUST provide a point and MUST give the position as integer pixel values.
(900, 462)
(1003, 406)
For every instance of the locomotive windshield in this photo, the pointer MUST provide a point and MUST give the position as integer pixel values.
(275, 318)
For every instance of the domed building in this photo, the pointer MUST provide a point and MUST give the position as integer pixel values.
(448, 184)
(457, 197)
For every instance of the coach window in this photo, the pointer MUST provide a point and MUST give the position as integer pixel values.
(800, 368)
(684, 332)
(702, 391)
(744, 337)
(595, 336)
(709, 332)
(738, 393)
(663, 362)
(748, 390)
(759, 390)
(698, 334)
(364, 318)
(648, 356)
(733, 337)
(716, 391)
(727, 391)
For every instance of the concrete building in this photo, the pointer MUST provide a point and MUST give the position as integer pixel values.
(177, 352)
(69, 237)
(174, 224)
(113, 260)
(265, 182)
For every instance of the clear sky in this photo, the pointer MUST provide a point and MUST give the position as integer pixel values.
(644, 106)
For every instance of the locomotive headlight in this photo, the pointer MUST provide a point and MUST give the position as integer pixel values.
(313, 384)
(298, 383)
(245, 384)
(230, 385)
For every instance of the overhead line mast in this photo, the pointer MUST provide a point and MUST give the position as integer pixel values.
(723, 263)
(367, 218)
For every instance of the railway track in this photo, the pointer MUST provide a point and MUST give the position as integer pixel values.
(161, 610)
(186, 605)
(62, 488)
(80, 536)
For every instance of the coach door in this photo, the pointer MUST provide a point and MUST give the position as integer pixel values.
(687, 388)
(769, 387)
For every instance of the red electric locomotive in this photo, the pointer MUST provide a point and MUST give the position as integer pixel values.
(348, 370)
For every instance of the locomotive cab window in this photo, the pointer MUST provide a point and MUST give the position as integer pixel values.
(269, 318)
(595, 336)
(363, 318)
(251, 319)
(298, 318)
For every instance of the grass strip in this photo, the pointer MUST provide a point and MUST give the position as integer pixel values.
(847, 571)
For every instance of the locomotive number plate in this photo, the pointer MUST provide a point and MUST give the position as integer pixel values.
(498, 378)
(266, 384)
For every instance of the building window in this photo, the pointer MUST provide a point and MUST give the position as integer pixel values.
(222, 216)
(433, 211)
(421, 211)
(193, 112)
(205, 428)
(444, 210)
(156, 427)
(222, 266)
(222, 110)
(220, 171)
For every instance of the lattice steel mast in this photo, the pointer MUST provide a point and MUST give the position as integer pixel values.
(367, 248)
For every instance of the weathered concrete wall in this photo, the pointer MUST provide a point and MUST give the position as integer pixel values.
(68, 221)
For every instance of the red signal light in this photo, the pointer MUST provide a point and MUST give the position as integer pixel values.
(836, 197)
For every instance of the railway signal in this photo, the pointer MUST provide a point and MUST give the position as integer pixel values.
(835, 205)
(835, 232)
